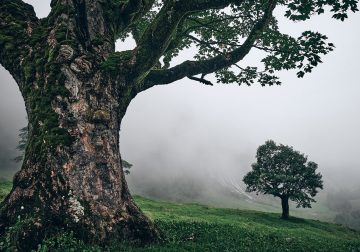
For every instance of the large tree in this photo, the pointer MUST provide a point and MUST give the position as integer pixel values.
(285, 173)
(77, 88)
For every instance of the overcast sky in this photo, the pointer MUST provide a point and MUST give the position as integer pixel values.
(190, 130)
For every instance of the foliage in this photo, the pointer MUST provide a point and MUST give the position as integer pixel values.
(220, 32)
(283, 172)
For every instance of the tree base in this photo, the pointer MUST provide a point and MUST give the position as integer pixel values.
(27, 234)
(24, 226)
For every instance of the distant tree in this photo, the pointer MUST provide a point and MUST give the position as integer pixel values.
(23, 137)
(126, 166)
(285, 173)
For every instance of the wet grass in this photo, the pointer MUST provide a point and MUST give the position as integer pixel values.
(5, 187)
(195, 227)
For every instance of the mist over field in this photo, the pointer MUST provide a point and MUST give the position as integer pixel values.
(190, 142)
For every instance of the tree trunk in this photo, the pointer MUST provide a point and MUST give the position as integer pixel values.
(285, 207)
(75, 96)
(71, 178)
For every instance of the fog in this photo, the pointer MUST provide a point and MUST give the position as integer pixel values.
(188, 141)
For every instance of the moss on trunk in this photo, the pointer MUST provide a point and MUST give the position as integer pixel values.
(71, 178)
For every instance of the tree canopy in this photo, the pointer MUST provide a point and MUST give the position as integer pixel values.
(285, 173)
(223, 31)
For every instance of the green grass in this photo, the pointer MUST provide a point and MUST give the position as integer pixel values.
(5, 187)
(195, 227)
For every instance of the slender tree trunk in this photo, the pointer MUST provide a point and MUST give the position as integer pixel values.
(285, 207)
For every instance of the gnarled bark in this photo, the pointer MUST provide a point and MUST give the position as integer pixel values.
(285, 207)
(71, 178)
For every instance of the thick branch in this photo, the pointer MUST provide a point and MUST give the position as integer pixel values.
(130, 12)
(91, 22)
(17, 21)
(191, 68)
(160, 33)
(157, 37)
(200, 5)
(131, 7)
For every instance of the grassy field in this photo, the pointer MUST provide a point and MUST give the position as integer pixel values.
(195, 227)
(5, 187)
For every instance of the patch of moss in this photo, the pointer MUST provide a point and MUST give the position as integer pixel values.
(45, 133)
(60, 35)
(58, 9)
(39, 35)
(98, 40)
(113, 63)
(9, 46)
(29, 72)
(50, 54)
(5, 39)
(100, 116)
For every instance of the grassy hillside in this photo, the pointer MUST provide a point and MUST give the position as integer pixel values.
(194, 227)
(5, 187)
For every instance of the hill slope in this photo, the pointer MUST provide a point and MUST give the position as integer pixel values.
(194, 227)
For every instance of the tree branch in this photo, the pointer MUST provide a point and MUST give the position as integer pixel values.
(93, 22)
(191, 68)
(133, 6)
(17, 22)
(201, 80)
(130, 12)
(158, 35)
(200, 5)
